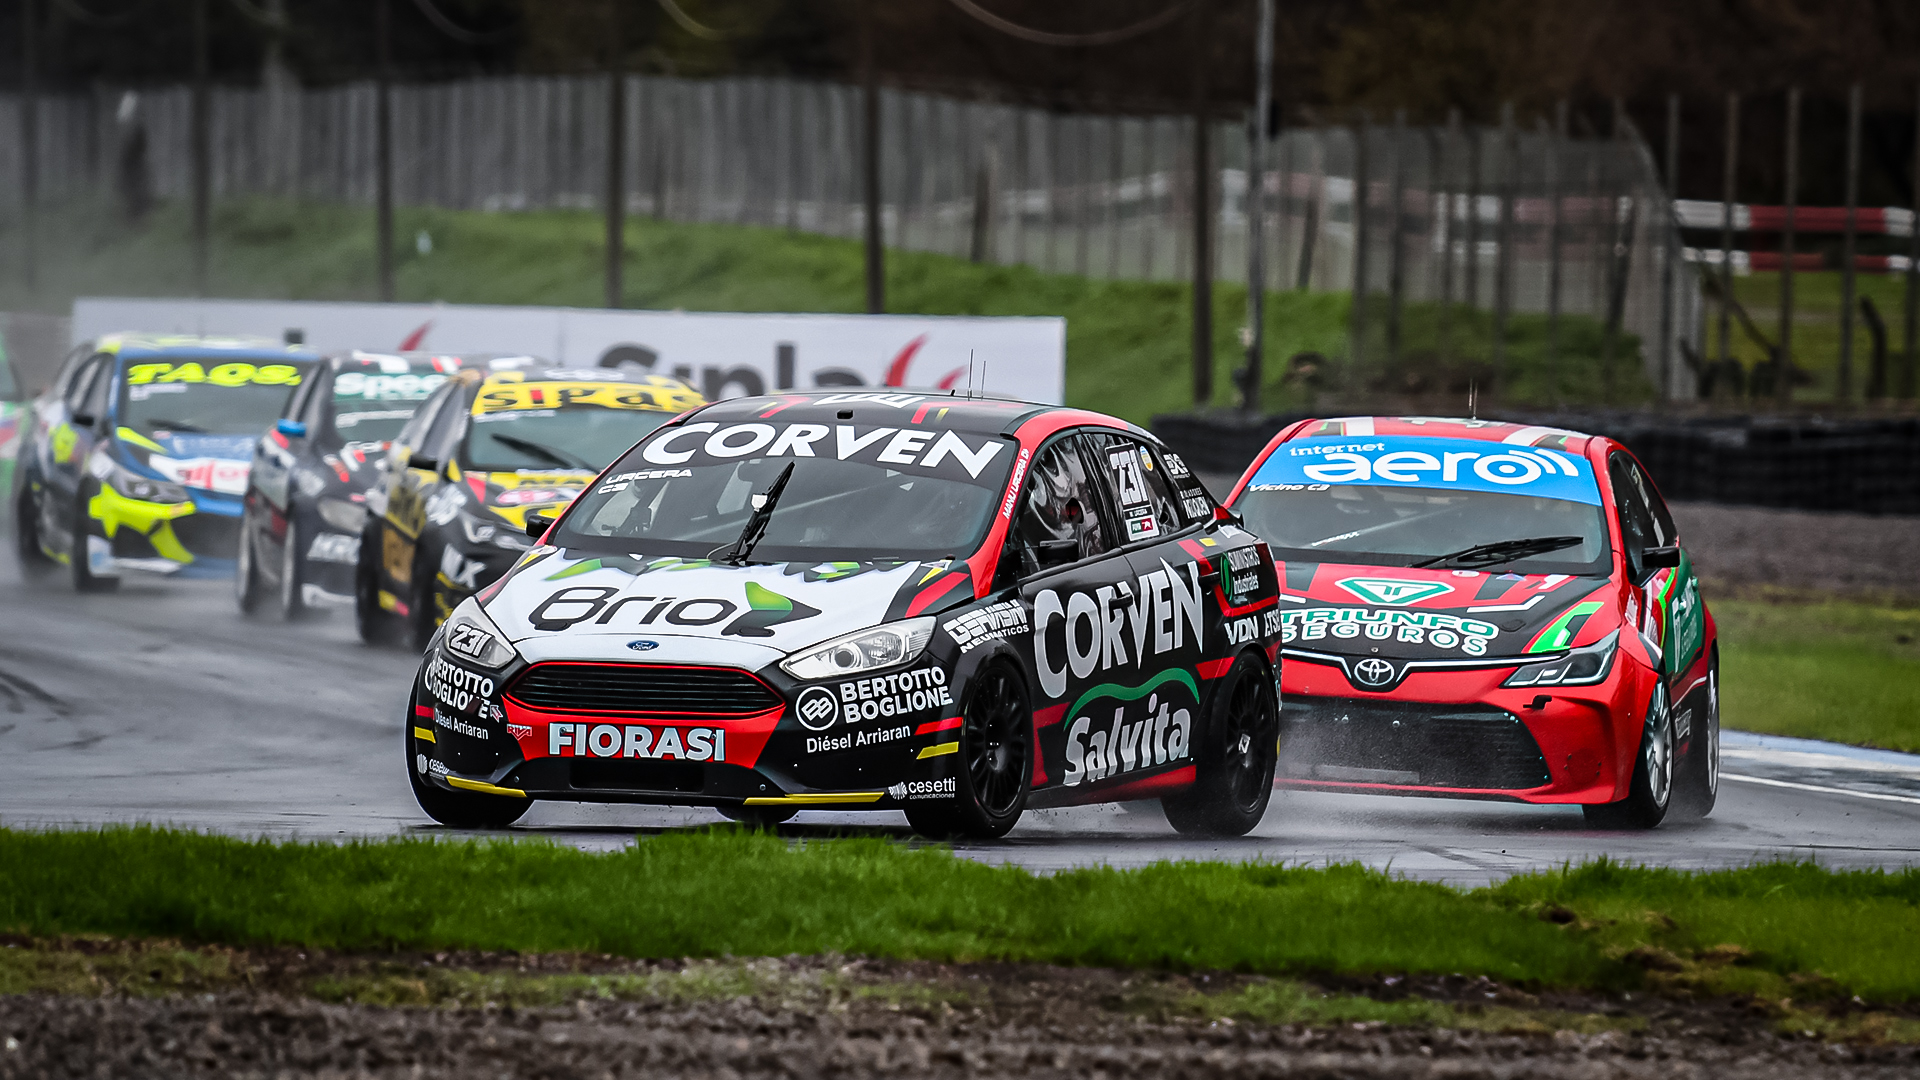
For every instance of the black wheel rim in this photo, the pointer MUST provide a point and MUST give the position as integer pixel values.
(1247, 741)
(994, 739)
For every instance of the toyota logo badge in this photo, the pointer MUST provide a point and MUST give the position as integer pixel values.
(1374, 671)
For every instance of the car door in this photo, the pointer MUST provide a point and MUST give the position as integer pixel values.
(83, 416)
(1664, 602)
(397, 501)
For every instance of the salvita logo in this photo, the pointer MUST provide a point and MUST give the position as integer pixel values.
(1393, 592)
(1164, 734)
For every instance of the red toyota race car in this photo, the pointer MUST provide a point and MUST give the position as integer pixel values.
(1485, 610)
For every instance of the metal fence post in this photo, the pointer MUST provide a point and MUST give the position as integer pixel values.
(1847, 241)
(383, 146)
(1912, 328)
(1472, 267)
(1729, 180)
(29, 146)
(1556, 142)
(1503, 249)
(1396, 235)
(1449, 202)
(1783, 363)
(1257, 210)
(870, 163)
(616, 161)
(198, 137)
(1357, 350)
(1670, 253)
(1202, 214)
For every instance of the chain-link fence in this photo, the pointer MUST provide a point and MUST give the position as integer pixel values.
(1458, 221)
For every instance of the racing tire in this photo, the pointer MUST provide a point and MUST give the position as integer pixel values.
(456, 809)
(293, 571)
(375, 624)
(418, 625)
(246, 571)
(995, 763)
(1698, 784)
(27, 551)
(84, 579)
(1235, 761)
(1650, 795)
(758, 817)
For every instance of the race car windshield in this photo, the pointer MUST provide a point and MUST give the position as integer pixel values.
(580, 438)
(202, 408)
(370, 425)
(1392, 525)
(373, 404)
(927, 499)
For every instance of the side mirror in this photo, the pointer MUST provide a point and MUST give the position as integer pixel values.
(538, 524)
(421, 461)
(1661, 558)
(83, 420)
(292, 429)
(1052, 553)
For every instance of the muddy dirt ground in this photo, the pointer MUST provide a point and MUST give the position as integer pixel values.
(814, 1017)
(1849, 554)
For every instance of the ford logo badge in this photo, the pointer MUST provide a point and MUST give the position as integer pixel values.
(643, 645)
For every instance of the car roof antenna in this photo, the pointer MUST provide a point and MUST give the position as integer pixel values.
(969, 374)
(1473, 399)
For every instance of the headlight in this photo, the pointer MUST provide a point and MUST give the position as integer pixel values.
(862, 651)
(145, 488)
(471, 637)
(1581, 667)
(348, 517)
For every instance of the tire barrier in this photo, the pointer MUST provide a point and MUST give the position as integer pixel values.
(1865, 466)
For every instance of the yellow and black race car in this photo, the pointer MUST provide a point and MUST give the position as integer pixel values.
(492, 445)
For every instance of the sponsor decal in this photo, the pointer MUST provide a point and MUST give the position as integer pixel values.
(1130, 486)
(349, 385)
(455, 686)
(903, 693)
(528, 496)
(230, 374)
(334, 548)
(714, 443)
(943, 788)
(1098, 749)
(854, 740)
(576, 604)
(1427, 462)
(1157, 614)
(458, 726)
(625, 480)
(1195, 506)
(1373, 671)
(1250, 628)
(460, 570)
(1176, 467)
(1394, 592)
(990, 623)
(1013, 486)
(653, 742)
(519, 732)
(501, 396)
(224, 475)
(817, 708)
(466, 639)
(1435, 628)
(444, 505)
(643, 645)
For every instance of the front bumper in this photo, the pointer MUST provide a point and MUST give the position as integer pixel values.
(1458, 733)
(197, 538)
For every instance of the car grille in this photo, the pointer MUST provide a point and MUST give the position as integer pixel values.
(1409, 743)
(649, 689)
(212, 536)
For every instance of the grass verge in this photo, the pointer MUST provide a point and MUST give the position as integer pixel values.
(1821, 669)
(1774, 932)
(1128, 342)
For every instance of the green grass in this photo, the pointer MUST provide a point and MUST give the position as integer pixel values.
(1836, 669)
(1128, 342)
(1816, 330)
(1772, 931)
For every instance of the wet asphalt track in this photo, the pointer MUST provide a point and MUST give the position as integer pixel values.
(160, 703)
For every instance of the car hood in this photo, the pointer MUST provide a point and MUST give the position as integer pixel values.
(554, 592)
(1404, 613)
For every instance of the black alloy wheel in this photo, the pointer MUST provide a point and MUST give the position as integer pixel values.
(246, 568)
(376, 625)
(293, 566)
(1651, 792)
(1698, 785)
(84, 579)
(1234, 759)
(995, 769)
(455, 809)
(26, 529)
(421, 619)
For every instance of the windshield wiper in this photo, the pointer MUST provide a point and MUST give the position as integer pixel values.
(1500, 551)
(175, 425)
(756, 527)
(559, 457)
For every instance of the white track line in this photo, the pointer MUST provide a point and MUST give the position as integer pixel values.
(1821, 790)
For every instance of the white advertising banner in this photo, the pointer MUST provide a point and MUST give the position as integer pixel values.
(721, 354)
